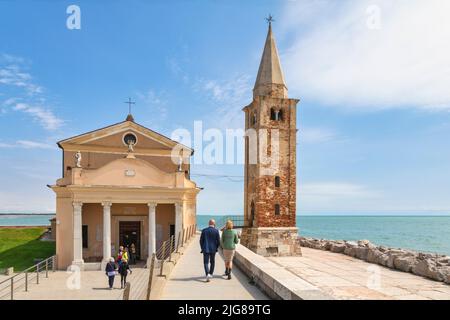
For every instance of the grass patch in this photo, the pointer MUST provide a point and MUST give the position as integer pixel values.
(20, 246)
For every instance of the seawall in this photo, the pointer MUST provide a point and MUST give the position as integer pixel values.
(429, 265)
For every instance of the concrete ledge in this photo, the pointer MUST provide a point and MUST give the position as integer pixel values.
(277, 282)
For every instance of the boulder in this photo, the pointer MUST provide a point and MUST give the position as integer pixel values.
(404, 263)
(361, 253)
(374, 256)
(337, 247)
(364, 243)
(427, 268)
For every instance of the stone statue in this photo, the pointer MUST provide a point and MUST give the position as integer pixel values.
(130, 146)
(78, 159)
(180, 163)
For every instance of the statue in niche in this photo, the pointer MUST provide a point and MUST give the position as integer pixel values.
(130, 146)
(78, 159)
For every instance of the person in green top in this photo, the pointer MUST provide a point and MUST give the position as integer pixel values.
(228, 242)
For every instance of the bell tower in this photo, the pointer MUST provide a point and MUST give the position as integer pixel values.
(270, 161)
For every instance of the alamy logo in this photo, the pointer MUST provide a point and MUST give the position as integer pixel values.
(73, 282)
(73, 21)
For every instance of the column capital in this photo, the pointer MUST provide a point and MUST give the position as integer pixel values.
(77, 204)
(152, 205)
(106, 203)
(178, 203)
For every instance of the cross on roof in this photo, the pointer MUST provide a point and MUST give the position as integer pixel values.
(129, 102)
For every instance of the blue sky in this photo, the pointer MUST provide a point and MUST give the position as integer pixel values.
(373, 79)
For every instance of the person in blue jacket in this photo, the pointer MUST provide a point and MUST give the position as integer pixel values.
(209, 244)
(110, 271)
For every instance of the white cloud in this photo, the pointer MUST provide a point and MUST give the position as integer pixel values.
(311, 135)
(13, 75)
(228, 96)
(337, 59)
(44, 116)
(27, 144)
(157, 103)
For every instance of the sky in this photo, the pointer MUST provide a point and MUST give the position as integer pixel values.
(373, 80)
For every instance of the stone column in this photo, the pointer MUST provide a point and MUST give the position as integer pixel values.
(151, 229)
(178, 220)
(106, 233)
(77, 234)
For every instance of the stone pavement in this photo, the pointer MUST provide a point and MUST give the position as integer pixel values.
(94, 286)
(345, 277)
(187, 280)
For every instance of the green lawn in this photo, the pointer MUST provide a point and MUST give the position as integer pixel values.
(20, 246)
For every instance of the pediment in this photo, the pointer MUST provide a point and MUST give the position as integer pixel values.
(112, 136)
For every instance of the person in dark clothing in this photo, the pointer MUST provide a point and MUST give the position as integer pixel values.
(123, 271)
(110, 271)
(209, 243)
(132, 254)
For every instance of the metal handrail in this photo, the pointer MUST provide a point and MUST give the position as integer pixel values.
(238, 221)
(34, 270)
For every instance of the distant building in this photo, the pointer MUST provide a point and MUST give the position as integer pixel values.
(120, 186)
(270, 186)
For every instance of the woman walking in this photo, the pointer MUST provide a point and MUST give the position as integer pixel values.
(123, 271)
(110, 272)
(228, 241)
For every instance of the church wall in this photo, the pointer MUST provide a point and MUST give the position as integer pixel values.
(165, 216)
(64, 231)
(92, 216)
(94, 160)
(189, 214)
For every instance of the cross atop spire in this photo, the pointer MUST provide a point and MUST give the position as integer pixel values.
(270, 79)
(270, 19)
(130, 103)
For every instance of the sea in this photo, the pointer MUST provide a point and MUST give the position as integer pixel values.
(420, 233)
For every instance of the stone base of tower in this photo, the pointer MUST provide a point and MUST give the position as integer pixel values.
(272, 242)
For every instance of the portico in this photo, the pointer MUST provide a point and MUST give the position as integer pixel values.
(109, 198)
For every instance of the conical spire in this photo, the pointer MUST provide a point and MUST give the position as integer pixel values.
(270, 79)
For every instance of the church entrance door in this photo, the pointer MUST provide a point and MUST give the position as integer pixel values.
(130, 232)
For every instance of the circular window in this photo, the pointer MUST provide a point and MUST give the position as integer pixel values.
(129, 138)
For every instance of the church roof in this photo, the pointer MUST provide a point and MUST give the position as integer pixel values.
(270, 71)
(118, 127)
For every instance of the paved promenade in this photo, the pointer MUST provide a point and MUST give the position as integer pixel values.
(187, 280)
(93, 286)
(345, 277)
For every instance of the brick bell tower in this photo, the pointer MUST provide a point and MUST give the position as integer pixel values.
(270, 161)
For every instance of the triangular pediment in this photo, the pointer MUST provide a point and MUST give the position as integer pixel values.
(112, 136)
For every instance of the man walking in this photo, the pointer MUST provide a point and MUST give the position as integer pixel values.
(209, 243)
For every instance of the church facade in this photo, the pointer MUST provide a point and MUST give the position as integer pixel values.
(270, 161)
(123, 184)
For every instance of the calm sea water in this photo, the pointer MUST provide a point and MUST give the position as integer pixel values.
(25, 219)
(421, 233)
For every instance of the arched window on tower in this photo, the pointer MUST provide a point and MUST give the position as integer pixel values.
(280, 115)
(277, 181)
(253, 119)
(276, 114)
(277, 209)
(272, 114)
